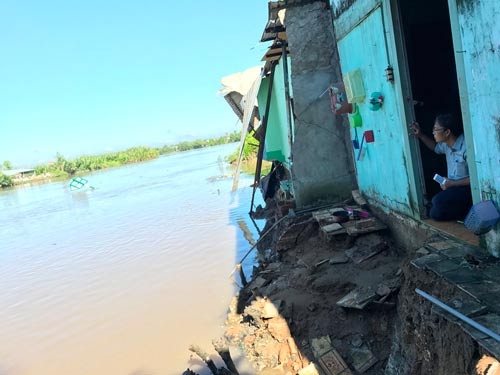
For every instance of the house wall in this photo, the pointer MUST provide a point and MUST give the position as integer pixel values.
(385, 170)
(476, 33)
(322, 166)
(386, 174)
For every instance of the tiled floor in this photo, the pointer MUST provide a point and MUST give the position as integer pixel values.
(455, 229)
(475, 272)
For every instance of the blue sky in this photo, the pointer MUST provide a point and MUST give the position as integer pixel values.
(87, 77)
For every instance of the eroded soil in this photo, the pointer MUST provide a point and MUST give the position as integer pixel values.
(303, 282)
(295, 316)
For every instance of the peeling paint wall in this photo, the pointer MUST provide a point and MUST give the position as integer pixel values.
(480, 55)
(322, 162)
(384, 167)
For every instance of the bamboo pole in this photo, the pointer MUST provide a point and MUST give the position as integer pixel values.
(223, 350)
(205, 357)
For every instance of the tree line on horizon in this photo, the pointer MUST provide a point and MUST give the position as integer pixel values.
(64, 168)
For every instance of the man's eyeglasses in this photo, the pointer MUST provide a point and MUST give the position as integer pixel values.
(436, 130)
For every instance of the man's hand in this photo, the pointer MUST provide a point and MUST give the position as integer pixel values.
(415, 129)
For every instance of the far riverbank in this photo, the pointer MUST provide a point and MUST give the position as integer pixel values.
(64, 169)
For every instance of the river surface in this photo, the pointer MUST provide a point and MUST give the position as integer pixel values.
(122, 279)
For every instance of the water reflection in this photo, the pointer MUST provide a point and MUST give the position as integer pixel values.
(80, 198)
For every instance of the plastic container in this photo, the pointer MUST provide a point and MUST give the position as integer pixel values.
(354, 89)
(355, 118)
(482, 217)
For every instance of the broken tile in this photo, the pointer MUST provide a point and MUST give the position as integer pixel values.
(365, 223)
(321, 345)
(426, 259)
(358, 298)
(332, 228)
(259, 282)
(330, 231)
(359, 255)
(441, 245)
(339, 259)
(492, 272)
(463, 275)
(333, 364)
(487, 292)
(328, 358)
(490, 299)
(422, 251)
(362, 358)
(383, 290)
(465, 305)
(443, 266)
(454, 252)
(352, 230)
(490, 321)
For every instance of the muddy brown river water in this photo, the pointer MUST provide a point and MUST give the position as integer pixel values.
(123, 278)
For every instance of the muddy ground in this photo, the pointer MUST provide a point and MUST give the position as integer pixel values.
(339, 305)
(292, 300)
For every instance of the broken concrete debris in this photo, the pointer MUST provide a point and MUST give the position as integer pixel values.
(328, 358)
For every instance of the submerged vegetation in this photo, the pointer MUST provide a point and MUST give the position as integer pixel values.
(249, 157)
(249, 151)
(63, 168)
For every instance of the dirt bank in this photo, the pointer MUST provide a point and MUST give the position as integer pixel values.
(345, 305)
(340, 304)
(303, 281)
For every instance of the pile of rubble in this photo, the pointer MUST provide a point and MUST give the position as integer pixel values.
(325, 299)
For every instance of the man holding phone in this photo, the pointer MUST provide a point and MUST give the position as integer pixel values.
(455, 199)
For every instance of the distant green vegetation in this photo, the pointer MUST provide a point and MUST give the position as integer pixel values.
(185, 146)
(63, 168)
(5, 181)
(250, 148)
(6, 165)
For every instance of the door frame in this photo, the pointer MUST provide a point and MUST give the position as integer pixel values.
(402, 74)
(464, 101)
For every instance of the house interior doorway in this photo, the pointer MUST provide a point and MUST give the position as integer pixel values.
(433, 79)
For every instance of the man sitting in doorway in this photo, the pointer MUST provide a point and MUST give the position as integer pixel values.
(455, 199)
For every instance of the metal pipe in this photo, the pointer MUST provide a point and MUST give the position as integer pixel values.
(459, 315)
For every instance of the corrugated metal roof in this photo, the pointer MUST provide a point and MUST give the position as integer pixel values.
(276, 50)
(275, 23)
(14, 172)
(233, 99)
(275, 31)
(240, 91)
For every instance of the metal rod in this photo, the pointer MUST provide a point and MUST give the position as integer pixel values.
(262, 142)
(459, 315)
(289, 215)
